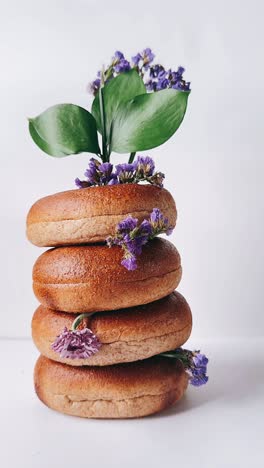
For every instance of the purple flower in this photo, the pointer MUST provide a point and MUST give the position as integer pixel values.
(132, 237)
(127, 225)
(146, 228)
(144, 166)
(118, 56)
(122, 66)
(125, 172)
(159, 222)
(198, 368)
(130, 263)
(136, 59)
(194, 363)
(94, 86)
(76, 344)
(156, 70)
(200, 360)
(105, 171)
(81, 183)
(197, 381)
(182, 85)
(113, 180)
(151, 85)
(92, 173)
(163, 83)
(157, 179)
(148, 57)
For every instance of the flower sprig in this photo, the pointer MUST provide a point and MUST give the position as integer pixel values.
(142, 170)
(76, 343)
(155, 76)
(131, 236)
(138, 105)
(194, 363)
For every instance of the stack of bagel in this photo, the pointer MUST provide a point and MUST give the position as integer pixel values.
(136, 314)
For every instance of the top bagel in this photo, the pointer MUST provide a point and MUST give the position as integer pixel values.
(91, 214)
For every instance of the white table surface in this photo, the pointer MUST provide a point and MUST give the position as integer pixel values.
(219, 425)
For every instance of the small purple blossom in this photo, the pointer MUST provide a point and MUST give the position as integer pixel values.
(122, 66)
(127, 225)
(132, 237)
(81, 183)
(159, 222)
(105, 171)
(76, 344)
(145, 166)
(136, 59)
(129, 263)
(148, 57)
(94, 86)
(118, 56)
(125, 172)
(194, 363)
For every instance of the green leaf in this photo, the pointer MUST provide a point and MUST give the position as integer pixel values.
(148, 120)
(121, 88)
(65, 129)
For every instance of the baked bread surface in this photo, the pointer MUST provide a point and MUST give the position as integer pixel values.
(126, 335)
(91, 214)
(91, 278)
(120, 391)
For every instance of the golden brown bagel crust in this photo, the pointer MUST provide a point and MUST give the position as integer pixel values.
(121, 391)
(126, 335)
(91, 278)
(91, 214)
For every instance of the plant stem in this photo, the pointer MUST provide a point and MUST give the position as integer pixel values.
(79, 319)
(131, 157)
(102, 114)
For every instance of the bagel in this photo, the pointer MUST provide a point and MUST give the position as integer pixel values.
(120, 391)
(125, 335)
(91, 214)
(91, 278)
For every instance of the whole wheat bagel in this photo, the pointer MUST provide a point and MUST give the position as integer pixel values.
(125, 335)
(91, 214)
(121, 391)
(91, 278)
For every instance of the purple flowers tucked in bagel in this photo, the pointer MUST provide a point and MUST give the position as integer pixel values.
(194, 363)
(131, 237)
(76, 344)
(142, 170)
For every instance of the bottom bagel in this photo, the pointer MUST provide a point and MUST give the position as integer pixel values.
(128, 390)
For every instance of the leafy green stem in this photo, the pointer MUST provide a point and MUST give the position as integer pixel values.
(131, 157)
(102, 113)
(79, 319)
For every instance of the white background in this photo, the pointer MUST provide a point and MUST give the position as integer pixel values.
(213, 165)
(50, 50)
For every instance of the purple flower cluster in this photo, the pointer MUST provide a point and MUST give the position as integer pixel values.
(76, 344)
(155, 76)
(142, 170)
(194, 363)
(162, 79)
(198, 369)
(131, 236)
(97, 174)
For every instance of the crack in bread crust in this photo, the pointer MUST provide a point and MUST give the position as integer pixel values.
(87, 218)
(114, 282)
(118, 352)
